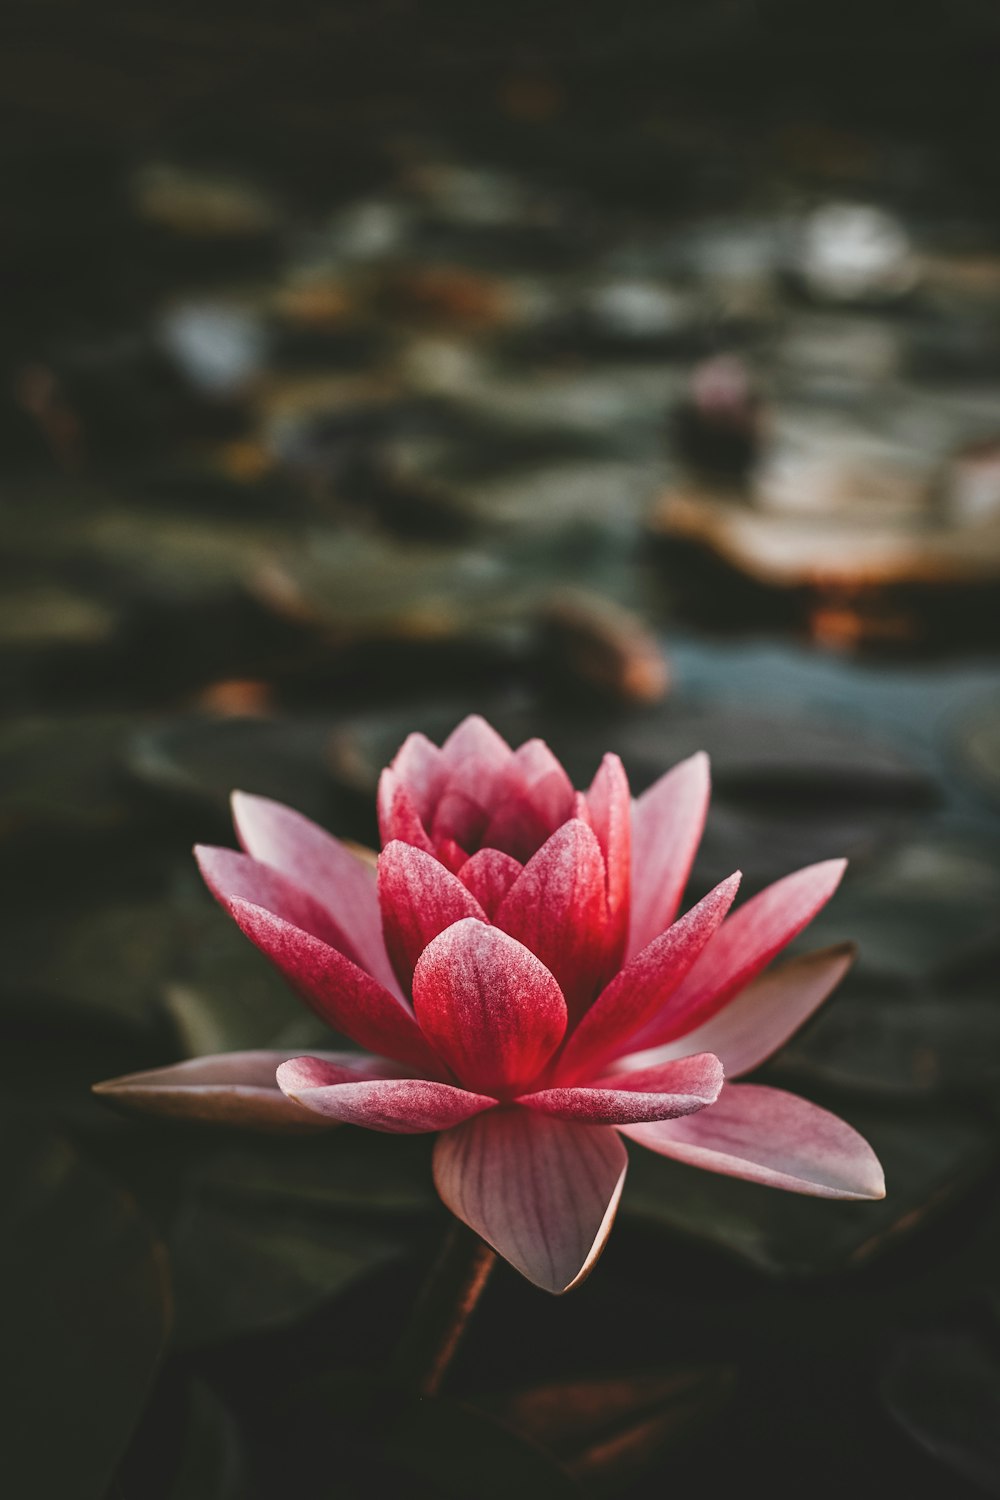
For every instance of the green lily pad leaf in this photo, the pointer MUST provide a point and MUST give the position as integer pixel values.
(872, 1039)
(63, 774)
(928, 905)
(106, 958)
(943, 1389)
(439, 1448)
(85, 1319)
(349, 1172)
(212, 1464)
(201, 760)
(929, 1160)
(355, 586)
(241, 1270)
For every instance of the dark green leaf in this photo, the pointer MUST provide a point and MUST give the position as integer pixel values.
(85, 1319)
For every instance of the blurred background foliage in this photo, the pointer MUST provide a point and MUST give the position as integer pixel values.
(632, 375)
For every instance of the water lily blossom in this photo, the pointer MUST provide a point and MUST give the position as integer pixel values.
(519, 980)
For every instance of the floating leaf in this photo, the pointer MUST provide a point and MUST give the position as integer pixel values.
(85, 1319)
(944, 1391)
(440, 1449)
(211, 1464)
(240, 1270)
(929, 1160)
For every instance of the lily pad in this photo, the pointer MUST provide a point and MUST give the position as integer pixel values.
(943, 1389)
(83, 1330)
(63, 773)
(929, 1160)
(876, 1041)
(930, 903)
(212, 1463)
(438, 1448)
(200, 760)
(240, 1270)
(352, 1172)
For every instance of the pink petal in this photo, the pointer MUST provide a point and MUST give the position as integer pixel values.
(488, 1006)
(419, 766)
(557, 907)
(610, 805)
(232, 876)
(234, 1088)
(398, 817)
(660, 1093)
(475, 746)
(667, 823)
(743, 946)
(542, 1192)
(533, 796)
(489, 875)
(344, 996)
(641, 990)
(762, 1017)
(451, 855)
(400, 1106)
(318, 863)
(765, 1135)
(475, 759)
(419, 899)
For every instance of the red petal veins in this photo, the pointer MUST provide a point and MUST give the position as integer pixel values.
(398, 1106)
(557, 907)
(319, 864)
(347, 998)
(489, 875)
(644, 986)
(419, 899)
(744, 945)
(488, 1006)
(661, 1093)
(667, 824)
(765, 1135)
(542, 1192)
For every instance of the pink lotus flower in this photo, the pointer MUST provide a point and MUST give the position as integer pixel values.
(520, 982)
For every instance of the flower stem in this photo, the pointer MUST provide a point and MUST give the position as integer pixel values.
(441, 1314)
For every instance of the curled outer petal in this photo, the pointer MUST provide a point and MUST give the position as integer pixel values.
(398, 1106)
(233, 1088)
(661, 1093)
